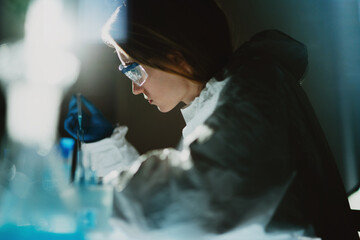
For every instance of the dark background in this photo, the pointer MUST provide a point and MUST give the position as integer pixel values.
(329, 28)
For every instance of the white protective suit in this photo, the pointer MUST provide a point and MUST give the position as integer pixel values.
(254, 161)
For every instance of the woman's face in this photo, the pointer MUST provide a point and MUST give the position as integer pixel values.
(163, 89)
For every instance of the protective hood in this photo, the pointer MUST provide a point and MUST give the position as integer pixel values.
(277, 46)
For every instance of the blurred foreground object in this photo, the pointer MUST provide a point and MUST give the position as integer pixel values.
(35, 73)
(37, 200)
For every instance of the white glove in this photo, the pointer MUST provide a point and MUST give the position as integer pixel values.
(110, 154)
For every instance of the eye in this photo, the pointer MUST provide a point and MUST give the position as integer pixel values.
(128, 63)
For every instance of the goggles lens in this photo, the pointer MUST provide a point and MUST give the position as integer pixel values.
(135, 72)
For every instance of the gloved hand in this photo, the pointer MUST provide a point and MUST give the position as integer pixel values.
(95, 126)
(109, 154)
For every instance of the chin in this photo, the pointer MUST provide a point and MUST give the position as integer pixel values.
(164, 109)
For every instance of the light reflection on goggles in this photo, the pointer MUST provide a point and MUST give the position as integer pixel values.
(135, 72)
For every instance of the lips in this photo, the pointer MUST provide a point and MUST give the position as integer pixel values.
(147, 98)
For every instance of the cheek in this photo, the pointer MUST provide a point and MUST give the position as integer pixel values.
(163, 88)
(158, 84)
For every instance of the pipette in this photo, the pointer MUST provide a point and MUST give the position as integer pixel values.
(84, 173)
(79, 116)
(78, 167)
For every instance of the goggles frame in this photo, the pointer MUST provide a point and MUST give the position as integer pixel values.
(135, 72)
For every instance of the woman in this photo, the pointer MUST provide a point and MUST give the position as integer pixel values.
(254, 154)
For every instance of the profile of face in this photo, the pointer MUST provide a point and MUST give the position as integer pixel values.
(163, 89)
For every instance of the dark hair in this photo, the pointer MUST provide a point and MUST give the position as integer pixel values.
(196, 30)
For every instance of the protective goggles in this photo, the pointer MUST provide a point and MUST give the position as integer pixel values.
(135, 72)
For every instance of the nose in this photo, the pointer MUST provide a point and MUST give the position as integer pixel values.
(136, 89)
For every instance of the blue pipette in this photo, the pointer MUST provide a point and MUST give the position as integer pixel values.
(79, 116)
(84, 174)
(79, 176)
